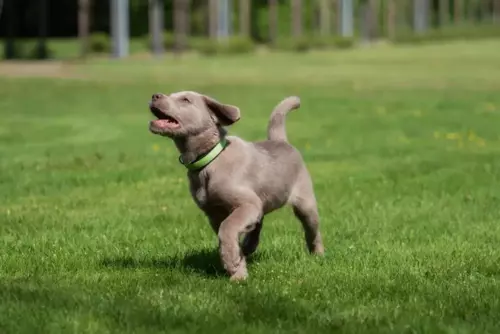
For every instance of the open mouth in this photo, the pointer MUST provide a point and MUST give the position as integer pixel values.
(164, 121)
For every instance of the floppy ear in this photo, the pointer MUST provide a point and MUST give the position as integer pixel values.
(225, 113)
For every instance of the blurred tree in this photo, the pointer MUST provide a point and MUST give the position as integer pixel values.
(444, 12)
(324, 17)
(457, 11)
(484, 9)
(391, 18)
(181, 8)
(496, 10)
(273, 20)
(373, 18)
(84, 26)
(346, 20)
(156, 26)
(41, 49)
(244, 10)
(420, 15)
(224, 19)
(9, 13)
(369, 19)
(213, 18)
(296, 18)
(335, 18)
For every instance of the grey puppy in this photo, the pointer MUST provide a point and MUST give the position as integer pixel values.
(233, 181)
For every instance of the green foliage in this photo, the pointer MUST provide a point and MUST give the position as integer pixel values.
(449, 33)
(168, 40)
(30, 50)
(331, 42)
(99, 42)
(238, 45)
(233, 45)
(343, 42)
(300, 44)
(205, 46)
(321, 42)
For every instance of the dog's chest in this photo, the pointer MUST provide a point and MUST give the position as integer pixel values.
(203, 194)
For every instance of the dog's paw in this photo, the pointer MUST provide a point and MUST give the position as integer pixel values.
(318, 250)
(240, 275)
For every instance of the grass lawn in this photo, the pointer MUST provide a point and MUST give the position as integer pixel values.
(98, 232)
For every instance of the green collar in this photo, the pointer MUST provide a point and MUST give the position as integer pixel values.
(207, 158)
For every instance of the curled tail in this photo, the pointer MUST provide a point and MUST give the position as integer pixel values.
(276, 127)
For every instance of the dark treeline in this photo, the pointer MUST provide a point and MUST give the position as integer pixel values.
(63, 16)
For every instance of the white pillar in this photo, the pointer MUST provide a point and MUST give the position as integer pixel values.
(120, 27)
(346, 21)
(223, 29)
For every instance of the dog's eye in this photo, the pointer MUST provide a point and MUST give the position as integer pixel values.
(185, 100)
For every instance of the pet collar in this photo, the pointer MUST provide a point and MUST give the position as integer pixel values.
(207, 158)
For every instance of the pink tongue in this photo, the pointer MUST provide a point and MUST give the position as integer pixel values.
(162, 122)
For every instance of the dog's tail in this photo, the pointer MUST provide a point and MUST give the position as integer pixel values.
(276, 127)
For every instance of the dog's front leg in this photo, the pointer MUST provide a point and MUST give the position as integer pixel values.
(229, 232)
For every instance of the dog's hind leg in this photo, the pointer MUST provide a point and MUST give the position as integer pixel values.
(306, 210)
(251, 239)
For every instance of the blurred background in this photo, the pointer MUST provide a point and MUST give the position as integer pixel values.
(39, 29)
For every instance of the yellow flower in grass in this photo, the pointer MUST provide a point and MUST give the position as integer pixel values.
(490, 107)
(476, 139)
(403, 139)
(381, 110)
(472, 136)
(453, 136)
(156, 147)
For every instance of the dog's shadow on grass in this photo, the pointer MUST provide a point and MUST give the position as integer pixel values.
(204, 262)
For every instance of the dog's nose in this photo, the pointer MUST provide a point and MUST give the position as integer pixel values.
(156, 96)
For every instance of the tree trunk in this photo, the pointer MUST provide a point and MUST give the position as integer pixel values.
(324, 17)
(41, 50)
(346, 19)
(156, 23)
(189, 13)
(244, 17)
(484, 7)
(496, 10)
(10, 16)
(213, 18)
(373, 18)
(458, 11)
(84, 26)
(391, 19)
(364, 21)
(120, 27)
(335, 18)
(273, 20)
(444, 12)
(180, 25)
(420, 15)
(224, 19)
(296, 18)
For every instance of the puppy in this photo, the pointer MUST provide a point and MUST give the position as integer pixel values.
(233, 181)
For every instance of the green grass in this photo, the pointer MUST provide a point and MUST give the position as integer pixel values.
(98, 233)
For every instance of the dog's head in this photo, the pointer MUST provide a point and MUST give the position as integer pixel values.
(186, 113)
